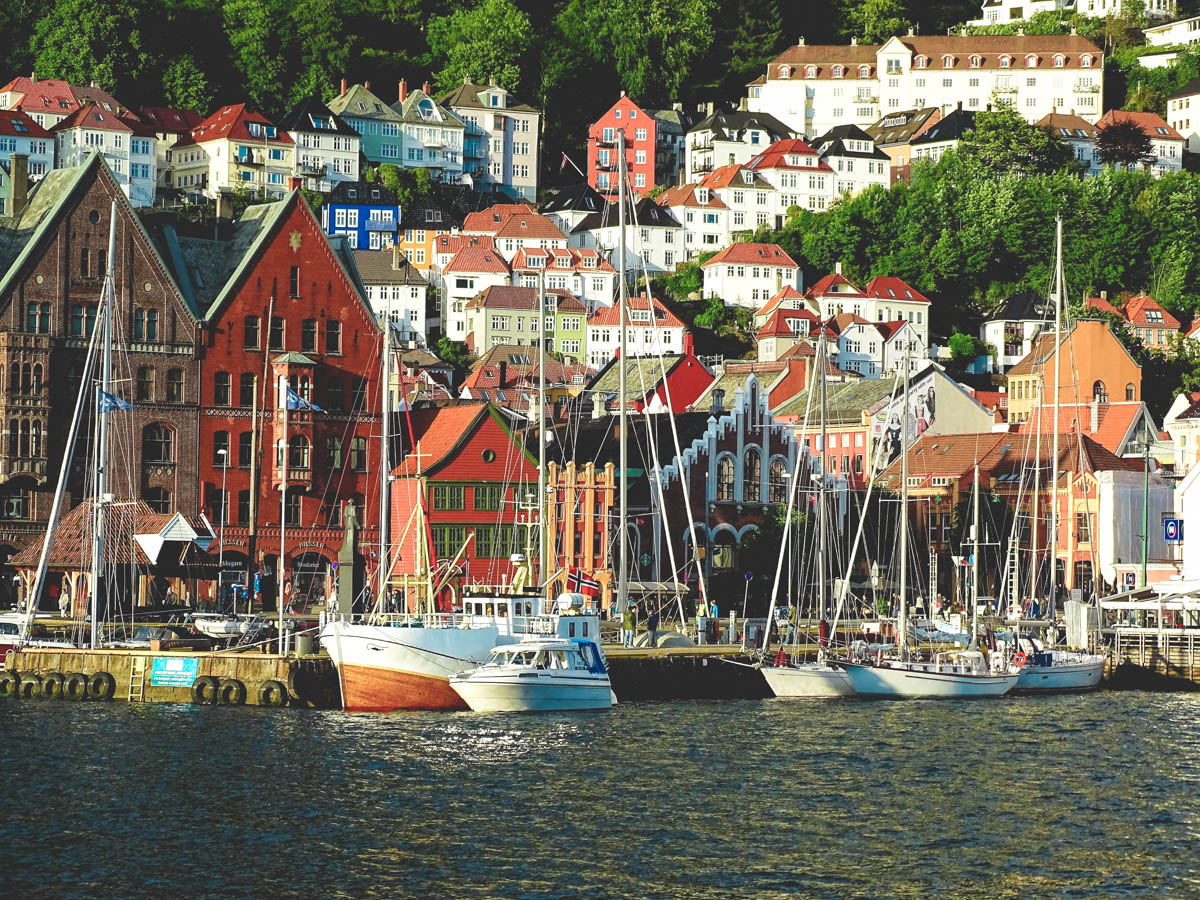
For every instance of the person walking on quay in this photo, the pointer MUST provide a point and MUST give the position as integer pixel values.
(628, 623)
(652, 629)
(793, 620)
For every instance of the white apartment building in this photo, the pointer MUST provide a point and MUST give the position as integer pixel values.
(469, 271)
(651, 330)
(1003, 12)
(397, 292)
(584, 273)
(431, 136)
(875, 349)
(234, 148)
(705, 218)
(1011, 327)
(856, 162)
(500, 141)
(815, 88)
(20, 134)
(885, 299)
(653, 239)
(128, 147)
(1166, 143)
(745, 274)
(751, 197)
(1174, 34)
(1183, 113)
(1080, 136)
(729, 137)
(327, 148)
(514, 227)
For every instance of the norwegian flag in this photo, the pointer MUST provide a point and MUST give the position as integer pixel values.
(580, 583)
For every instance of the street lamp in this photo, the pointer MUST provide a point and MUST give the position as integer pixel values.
(224, 456)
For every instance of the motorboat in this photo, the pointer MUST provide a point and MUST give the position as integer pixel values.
(804, 680)
(1060, 671)
(223, 627)
(538, 675)
(957, 674)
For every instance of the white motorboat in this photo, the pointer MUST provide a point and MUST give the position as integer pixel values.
(1060, 671)
(221, 626)
(814, 679)
(961, 674)
(538, 675)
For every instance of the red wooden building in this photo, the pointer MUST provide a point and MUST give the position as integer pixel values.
(640, 142)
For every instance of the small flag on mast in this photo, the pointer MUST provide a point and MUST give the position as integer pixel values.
(578, 582)
(295, 401)
(108, 403)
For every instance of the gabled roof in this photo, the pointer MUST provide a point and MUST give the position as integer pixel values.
(520, 371)
(839, 323)
(438, 431)
(951, 127)
(732, 176)
(169, 120)
(610, 315)
(826, 285)
(361, 193)
(452, 243)
(888, 330)
(529, 226)
(1024, 306)
(379, 267)
(776, 157)
(753, 254)
(824, 57)
(731, 125)
(468, 94)
(574, 198)
(1042, 350)
(1115, 422)
(478, 259)
(362, 104)
(846, 401)
(1068, 125)
(418, 108)
(1151, 123)
(43, 95)
(645, 214)
(15, 123)
(786, 293)
(233, 123)
(560, 259)
(685, 195)
(1102, 305)
(1188, 90)
(305, 116)
(833, 143)
(888, 287)
(643, 374)
(794, 323)
(1144, 310)
(900, 127)
(489, 220)
(95, 118)
(991, 47)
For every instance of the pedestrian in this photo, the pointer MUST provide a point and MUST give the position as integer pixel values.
(627, 626)
(64, 604)
(652, 628)
(793, 620)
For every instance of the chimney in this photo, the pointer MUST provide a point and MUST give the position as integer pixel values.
(343, 87)
(503, 373)
(910, 31)
(402, 94)
(837, 268)
(853, 42)
(397, 257)
(20, 184)
(1103, 296)
(425, 87)
(1094, 408)
(294, 182)
(367, 84)
(677, 107)
(742, 104)
(960, 106)
(597, 406)
(708, 107)
(800, 42)
(622, 95)
(224, 205)
(718, 401)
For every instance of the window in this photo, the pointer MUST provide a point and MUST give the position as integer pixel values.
(294, 281)
(448, 496)
(245, 449)
(275, 338)
(1099, 392)
(220, 448)
(335, 393)
(308, 336)
(291, 508)
(243, 508)
(159, 500)
(358, 454)
(174, 385)
(298, 453)
(250, 333)
(358, 398)
(84, 263)
(1083, 528)
(1130, 391)
(221, 383)
(487, 497)
(725, 478)
(38, 318)
(777, 482)
(145, 384)
(246, 389)
(157, 443)
(333, 337)
(333, 453)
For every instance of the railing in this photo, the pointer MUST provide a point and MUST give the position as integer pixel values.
(702, 166)
(311, 170)
(704, 144)
(388, 225)
(506, 624)
(1082, 87)
(1005, 89)
(14, 466)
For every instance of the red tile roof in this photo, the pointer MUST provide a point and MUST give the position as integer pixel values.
(232, 123)
(790, 323)
(1151, 123)
(1103, 305)
(663, 317)
(887, 287)
(452, 243)
(889, 329)
(437, 432)
(685, 195)
(839, 323)
(170, 120)
(753, 254)
(530, 226)
(1114, 421)
(825, 286)
(560, 259)
(94, 118)
(785, 294)
(776, 157)
(505, 296)
(477, 259)
(490, 219)
(991, 47)
(15, 123)
(44, 95)
(1136, 308)
(824, 57)
(1070, 122)
(724, 176)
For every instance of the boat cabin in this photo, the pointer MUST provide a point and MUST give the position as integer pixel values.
(548, 656)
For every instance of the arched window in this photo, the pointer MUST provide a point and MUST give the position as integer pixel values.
(1059, 60)
(785, 72)
(777, 482)
(947, 61)
(174, 385)
(1085, 61)
(298, 452)
(725, 478)
(157, 443)
(84, 267)
(35, 448)
(221, 448)
(158, 499)
(975, 62)
(246, 389)
(25, 437)
(1130, 391)
(752, 476)
(810, 72)
(358, 454)
(724, 555)
(922, 62)
(1031, 60)
(333, 452)
(37, 378)
(245, 449)
(221, 388)
(145, 384)
(1099, 393)
(864, 71)
(1006, 62)
(838, 72)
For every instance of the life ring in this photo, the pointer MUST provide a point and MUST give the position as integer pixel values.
(205, 689)
(75, 686)
(232, 692)
(272, 693)
(101, 686)
(10, 684)
(30, 686)
(1019, 658)
(52, 686)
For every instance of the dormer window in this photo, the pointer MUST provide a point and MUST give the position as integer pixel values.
(1059, 60)
(921, 62)
(785, 71)
(810, 72)
(975, 62)
(839, 71)
(1085, 61)
(864, 71)
(1006, 62)
(1031, 61)
(947, 61)
(702, 195)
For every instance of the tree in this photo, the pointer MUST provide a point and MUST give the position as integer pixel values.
(111, 44)
(1003, 142)
(485, 42)
(185, 85)
(453, 352)
(1123, 143)
(873, 21)
(259, 34)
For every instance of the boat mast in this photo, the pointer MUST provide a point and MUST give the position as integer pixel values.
(822, 513)
(902, 636)
(1058, 297)
(975, 558)
(281, 387)
(543, 544)
(622, 418)
(385, 456)
(98, 502)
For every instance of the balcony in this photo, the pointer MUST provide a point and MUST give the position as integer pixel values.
(606, 167)
(1085, 87)
(704, 165)
(602, 142)
(472, 130)
(248, 159)
(702, 144)
(387, 226)
(473, 150)
(1005, 89)
(16, 467)
(867, 98)
(311, 170)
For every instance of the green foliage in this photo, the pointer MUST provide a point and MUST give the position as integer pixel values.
(873, 21)
(113, 44)
(1003, 142)
(313, 198)
(715, 314)
(412, 186)
(185, 85)
(1124, 144)
(453, 352)
(484, 42)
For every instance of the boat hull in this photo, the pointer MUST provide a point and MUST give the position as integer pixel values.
(520, 693)
(381, 668)
(1061, 679)
(814, 680)
(887, 682)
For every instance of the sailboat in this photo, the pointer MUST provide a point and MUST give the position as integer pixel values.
(816, 678)
(953, 674)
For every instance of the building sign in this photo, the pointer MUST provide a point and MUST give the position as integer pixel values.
(173, 671)
(1173, 530)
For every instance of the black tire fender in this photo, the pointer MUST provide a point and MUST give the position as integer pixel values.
(30, 686)
(10, 684)
(52, 686)
(206, 689)
(272, 693)
(101, 686)
(75, 686)
(232, 692)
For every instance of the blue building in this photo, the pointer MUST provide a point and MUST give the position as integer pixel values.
(366, 212)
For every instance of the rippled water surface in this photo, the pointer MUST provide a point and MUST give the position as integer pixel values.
(1095, 796)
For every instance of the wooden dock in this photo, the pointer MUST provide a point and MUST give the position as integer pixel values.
(1166, 659)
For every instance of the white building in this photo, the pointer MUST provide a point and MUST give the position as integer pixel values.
(943, 135)
(1080, 136)
(234, 148)
(1166, 143)
(885, 299)
(19, 134)
(652, 329)
(1011, 327)
(397, 292)
(856, 162)
(815, 88)
(745, 274)
(500, 148)
(1182, 423)
(750, 195)
(653, 238)
(1182, 108)
(705, 218)
(875, 349)
(584, 273)
(514, 227)
(729, 137)
(327, 148)
(1174, 34)
(469, 271)
(127, 146)
(1003, 12)
(431, 136)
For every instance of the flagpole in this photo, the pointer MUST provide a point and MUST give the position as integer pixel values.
(283, 452)
(98, 517)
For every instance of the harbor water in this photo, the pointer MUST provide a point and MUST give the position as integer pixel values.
(1076, 796)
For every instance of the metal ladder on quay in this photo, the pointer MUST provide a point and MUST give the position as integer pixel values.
(137, 679)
